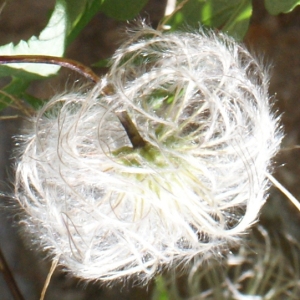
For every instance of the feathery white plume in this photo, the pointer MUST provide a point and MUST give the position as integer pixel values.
(110, 210)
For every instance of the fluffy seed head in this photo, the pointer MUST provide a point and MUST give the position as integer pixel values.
(110, 210)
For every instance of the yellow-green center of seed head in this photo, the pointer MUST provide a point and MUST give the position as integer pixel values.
(148, 155)
(142, 153)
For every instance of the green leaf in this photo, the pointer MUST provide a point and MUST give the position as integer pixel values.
(160, 292)
(231, 16)
(51, 41)
(67, 20)
(16, 87)
(123, 9)
(5, 70)
(36, 103)
(80, 12)
(102, 63)
(275, 7)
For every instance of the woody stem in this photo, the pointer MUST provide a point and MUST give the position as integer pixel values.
(131, 130)
(53, 60)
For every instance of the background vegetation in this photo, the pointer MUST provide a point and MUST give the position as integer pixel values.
(64, 34)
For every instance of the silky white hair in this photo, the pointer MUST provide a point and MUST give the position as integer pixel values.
(112, 211)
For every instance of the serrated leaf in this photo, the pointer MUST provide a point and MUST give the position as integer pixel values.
(231, 16)
(122, 9)
(275, 7)
(51, 41)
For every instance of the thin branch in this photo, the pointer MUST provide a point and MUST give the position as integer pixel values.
(17, 105)
(162, 24)
(132, 132)
(2, 118)
(52, 269)
(295, 147)
(53, 60)
(284, 191)
(7, 274)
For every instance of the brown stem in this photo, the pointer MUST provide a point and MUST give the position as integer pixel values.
(132, 132)
(7, 274)
(53, 60)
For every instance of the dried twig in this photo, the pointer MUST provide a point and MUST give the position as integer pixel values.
(284, 191)
(52, 269)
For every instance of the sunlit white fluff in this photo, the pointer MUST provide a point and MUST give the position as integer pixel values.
(109, 211)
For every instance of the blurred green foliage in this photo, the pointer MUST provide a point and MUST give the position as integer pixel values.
(69, 18)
